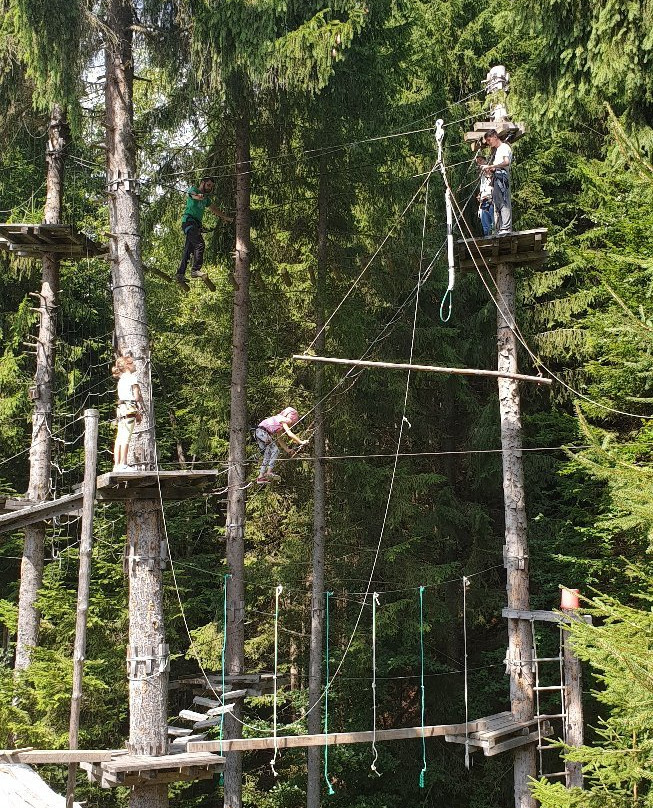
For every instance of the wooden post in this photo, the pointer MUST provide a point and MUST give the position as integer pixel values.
(314, 720)
(31, 571)
(238, 432)
(520, 638)
(147, 656)
(85, 549)
(574, 705)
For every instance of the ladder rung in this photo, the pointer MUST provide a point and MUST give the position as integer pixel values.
(548, 659)
(545, 717)
(550, 687)
(554, 774)
(547, 747)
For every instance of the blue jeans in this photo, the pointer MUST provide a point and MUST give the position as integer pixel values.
(486, 214)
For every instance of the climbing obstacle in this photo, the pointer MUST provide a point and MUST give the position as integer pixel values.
(35, 240)
(180, 484)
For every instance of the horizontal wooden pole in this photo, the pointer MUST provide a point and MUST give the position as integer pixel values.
(64, 756)
(329, 360)
(332, 739)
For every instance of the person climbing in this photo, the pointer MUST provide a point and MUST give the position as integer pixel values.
(269, 435)
(129, 411)
(198, 198)
(499, 171)
(485, 206)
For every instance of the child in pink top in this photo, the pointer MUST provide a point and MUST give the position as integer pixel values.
(269, 435)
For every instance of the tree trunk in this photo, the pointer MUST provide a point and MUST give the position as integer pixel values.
(573, 735)
(147, 654)
(238, 432)
(319, 510)
(520, 638)
(31, 571)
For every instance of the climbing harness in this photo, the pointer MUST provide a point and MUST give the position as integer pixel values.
(278, 591)
(375, 603)
(326, 700)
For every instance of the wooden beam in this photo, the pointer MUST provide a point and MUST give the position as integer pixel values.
(64, 756)
(543, 615)
(40, 512)
(332, 739)
(428, 368)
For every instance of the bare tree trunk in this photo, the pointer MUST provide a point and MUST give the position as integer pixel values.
(574, 735)
(238, 431)
(148, 654)
(319, 511)
(31, 571)
(520, 638)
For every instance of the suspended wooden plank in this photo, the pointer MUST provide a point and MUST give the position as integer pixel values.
(428, 368)
(521, 247)
(34, 240)
(40, 512)
(64, 756)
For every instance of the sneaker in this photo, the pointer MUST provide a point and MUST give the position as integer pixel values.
(263, 479)
(197, 273)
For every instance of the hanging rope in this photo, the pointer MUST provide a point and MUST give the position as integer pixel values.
(326, 701)
(465, 585)
(279, 590)
(375, 602)
(224, 648)
(447, 297)
(421, 653)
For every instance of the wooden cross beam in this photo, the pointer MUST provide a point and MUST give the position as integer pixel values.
(428, 368)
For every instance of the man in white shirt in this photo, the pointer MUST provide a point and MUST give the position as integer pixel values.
(500, 173)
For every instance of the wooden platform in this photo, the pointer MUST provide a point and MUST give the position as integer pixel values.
(33, 240)
(524, 247)
(507, 130)
(501, 733)
(182, 484)
(544, 615)
(135, 770)
(54, 756)
(23, 512)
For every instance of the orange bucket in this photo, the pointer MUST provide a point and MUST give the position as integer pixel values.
(569, 598)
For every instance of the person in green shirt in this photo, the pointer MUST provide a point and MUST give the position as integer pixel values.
(198, 198)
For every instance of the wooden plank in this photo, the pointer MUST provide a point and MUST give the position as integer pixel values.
(140, 763)
(202, 725)
(427, 368)
(513, 743)
(64, 756)
(177, 732)
(204, 702)
(475, 742)
(542, 615)
(332, 739)
(190, 715)
(221, 710)
(39, 512)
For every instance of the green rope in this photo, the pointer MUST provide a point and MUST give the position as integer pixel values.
(421, 650)
(224, 647)
(326, 701)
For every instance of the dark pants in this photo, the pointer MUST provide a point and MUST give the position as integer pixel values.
(194, 246)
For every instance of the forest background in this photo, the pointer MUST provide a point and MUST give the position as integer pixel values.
(326, 88)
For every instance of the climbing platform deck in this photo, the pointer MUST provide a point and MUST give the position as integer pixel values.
(182, 484)
(499, 733)
(33, 240)
(135, 770)
(521, 247)
(20, 513)
(251, 684)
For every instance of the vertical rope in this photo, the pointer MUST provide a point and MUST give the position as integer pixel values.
(421, 653)
(375, 602)
(465, 585)
(326, 701)
(224, 647)
(278, 591)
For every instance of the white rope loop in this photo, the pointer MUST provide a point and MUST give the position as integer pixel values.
(278, 592)
(375, 603)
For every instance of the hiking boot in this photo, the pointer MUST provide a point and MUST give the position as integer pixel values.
(197, 273)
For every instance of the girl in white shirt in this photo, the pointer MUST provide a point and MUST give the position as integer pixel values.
(129, 411)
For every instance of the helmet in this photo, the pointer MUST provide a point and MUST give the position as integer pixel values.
(291, 414)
